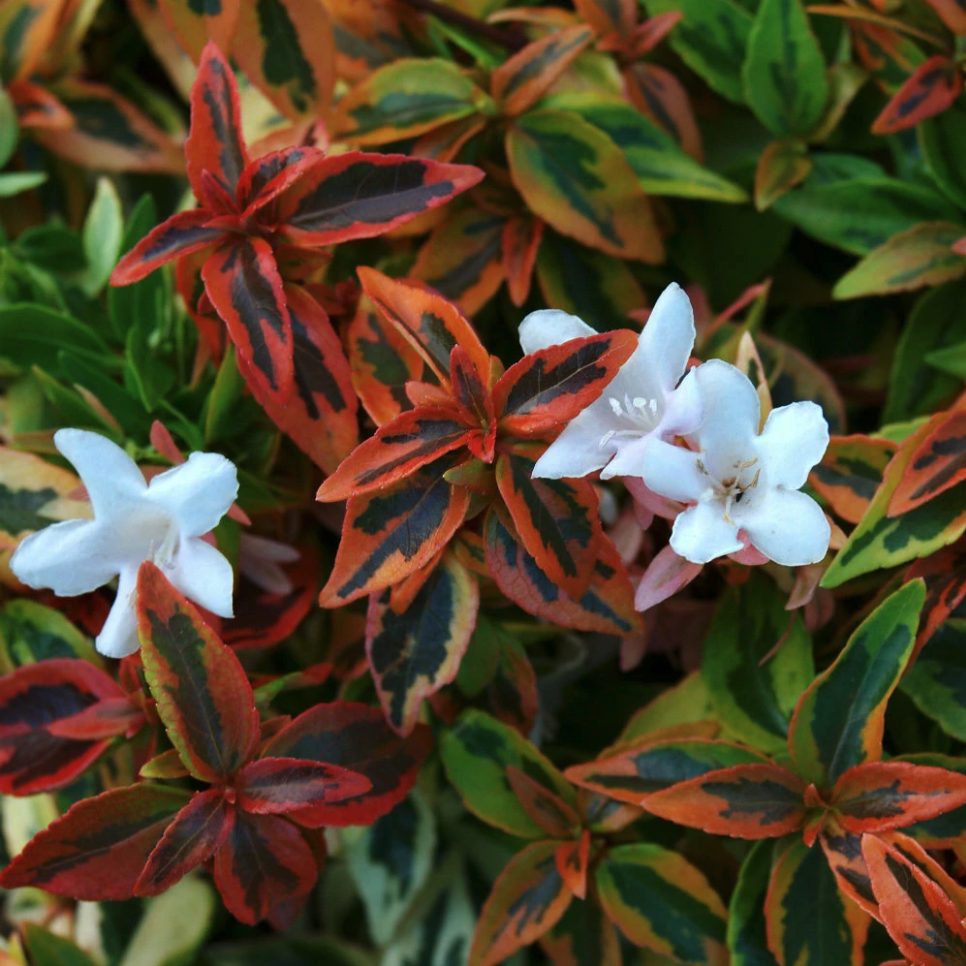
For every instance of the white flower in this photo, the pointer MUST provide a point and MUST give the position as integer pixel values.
(640, 404)
(133, 522)
(742, 483)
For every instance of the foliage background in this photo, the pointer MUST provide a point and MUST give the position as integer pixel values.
(797, 168)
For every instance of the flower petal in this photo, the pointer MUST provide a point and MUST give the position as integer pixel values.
(786, 526)
(794, 439)
(683, 409)
(70, 558)
(666, 574)
(672, 472)
(203, 575)
(702, 533)
(547, 327)
(668, 336)
(629, 458)
(110, 476)
(577, 450)
(731, 416)
(198, 493)
(119, 635)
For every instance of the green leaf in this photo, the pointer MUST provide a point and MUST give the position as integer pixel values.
(920, 256)
(391, 861)
(859, 214)
(585, 282)
(575, 178)
(192, 905)
(688, 701)
(30, 632)
(711, 39)
(443, 933)
(48, 949)
(936, 682)
(809, 922)
(226, 393)
(942, 140)
(145, 303)
(9, 128)
(754, 693)
(52, 246)
(659, 900)
(839, 720)
(951, 360)
(101, 237)
(406, 98)
(13, 182)
(476, 754)
(781, 166)
(784, 73)
(880, 541)
(662, 168)
(747, 941)
(33, 335)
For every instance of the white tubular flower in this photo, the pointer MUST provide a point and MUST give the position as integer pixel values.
(134, 521)
(742, 483)
(640, 404)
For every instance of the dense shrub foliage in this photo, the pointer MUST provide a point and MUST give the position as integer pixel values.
(483, 482)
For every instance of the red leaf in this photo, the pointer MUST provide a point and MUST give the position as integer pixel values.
(921, 919)
(415, 646)
(108, 718)
(556, 520)
(526, 76)
(929, 90)
(659, 95)
(264, 861)
(885, 795)
(555, 816)
(392, 533)
(383, 361)
(952, 13)
(431, 324)
(265, 178)
(550, 387)
(850, 473)
(945, 576)
(356, 195)
(321, 415)
(182, 234)
(275, 786)
(745, 801)
(356, 737)
(572, 860)
(263, 618)
(470, 391)
(37, 107)
(520, 243)
(606, 606)
(938, 463)
(528, 899)
(33, 700)
(202, 692)
(197, 831)
(245, 288)
(96, 851)
(399, 448)
(215, 142)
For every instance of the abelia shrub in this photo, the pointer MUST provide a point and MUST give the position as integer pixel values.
(482, 482)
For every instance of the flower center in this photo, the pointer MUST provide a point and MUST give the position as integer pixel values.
(730, 490)
(640, 411)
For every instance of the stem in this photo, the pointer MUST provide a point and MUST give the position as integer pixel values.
(511, 39)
